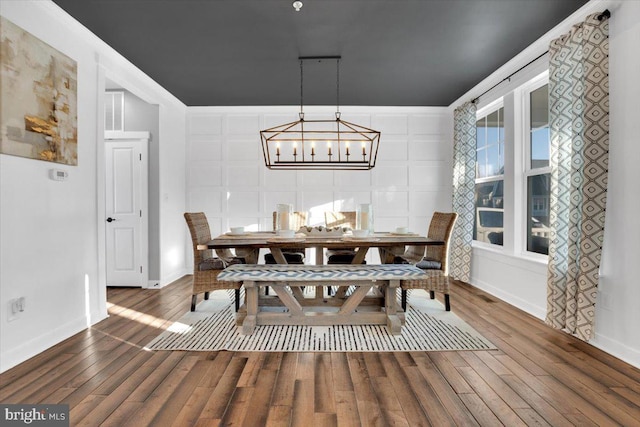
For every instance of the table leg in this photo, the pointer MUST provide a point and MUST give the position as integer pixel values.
(249, 254)
(361, 253)
(320, 261)
(251, 294)
(390, 253)
(297, 292)
(295, 309)
(354, 300)
(394, 323)
(278, 256)
(383, 255)
(341, 292)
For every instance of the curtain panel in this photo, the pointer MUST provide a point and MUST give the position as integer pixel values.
(464, 175)
(579, 126)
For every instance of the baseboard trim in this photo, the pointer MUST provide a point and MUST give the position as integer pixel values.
(617, 349)
(16, 355)
(539, 312)
(172, 278)
(608, 345)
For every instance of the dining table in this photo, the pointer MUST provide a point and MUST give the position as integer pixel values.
(248, 244)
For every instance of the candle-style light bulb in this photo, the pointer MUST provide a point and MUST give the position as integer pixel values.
(295, 149)
(313, 148)
(364, 151)
(277, 149)
(346, 144)
(329, 147)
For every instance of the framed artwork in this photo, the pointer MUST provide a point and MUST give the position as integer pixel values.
(38, 98)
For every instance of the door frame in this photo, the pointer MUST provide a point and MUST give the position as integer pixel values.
(143, 138)
(105, 73)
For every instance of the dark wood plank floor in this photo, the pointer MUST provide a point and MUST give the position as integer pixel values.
(538, 376)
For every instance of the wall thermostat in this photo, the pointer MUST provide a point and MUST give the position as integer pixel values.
(58, 174)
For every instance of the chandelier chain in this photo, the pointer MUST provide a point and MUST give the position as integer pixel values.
(338, 86)
(301, 86)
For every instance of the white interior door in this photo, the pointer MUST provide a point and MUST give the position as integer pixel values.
(126, 205)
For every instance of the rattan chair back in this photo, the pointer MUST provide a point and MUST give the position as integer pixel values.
(204, 279)
(340, 219)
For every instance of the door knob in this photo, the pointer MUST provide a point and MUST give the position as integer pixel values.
(110, 219)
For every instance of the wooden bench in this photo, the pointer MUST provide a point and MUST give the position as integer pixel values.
(359, 308)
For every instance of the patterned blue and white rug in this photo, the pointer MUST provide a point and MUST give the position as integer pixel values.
(428, 327)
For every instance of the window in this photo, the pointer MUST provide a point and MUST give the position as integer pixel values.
(489, 189)
(537, 169)
(114, 110)
(513, 171)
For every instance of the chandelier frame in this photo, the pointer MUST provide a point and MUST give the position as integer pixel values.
(297, 145)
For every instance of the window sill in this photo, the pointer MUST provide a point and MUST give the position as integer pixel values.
(528, 261)
(499, 249)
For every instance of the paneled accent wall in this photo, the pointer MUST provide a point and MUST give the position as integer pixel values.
(227, 179)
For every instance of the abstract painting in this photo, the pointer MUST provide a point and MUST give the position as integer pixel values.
(38, 98)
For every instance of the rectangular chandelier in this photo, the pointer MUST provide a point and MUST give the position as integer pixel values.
(320, 144)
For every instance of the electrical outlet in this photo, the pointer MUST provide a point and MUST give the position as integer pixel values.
(16, 307)
(12, 310)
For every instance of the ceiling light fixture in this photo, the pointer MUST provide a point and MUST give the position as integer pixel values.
(320, 144)
(297, 5)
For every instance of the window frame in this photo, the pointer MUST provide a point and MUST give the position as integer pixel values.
(526, 169)
(115, 110)
(480, 114)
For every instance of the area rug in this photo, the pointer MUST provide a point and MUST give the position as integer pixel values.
(428, 327)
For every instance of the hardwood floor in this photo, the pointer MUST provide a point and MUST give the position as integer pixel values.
(539, 376)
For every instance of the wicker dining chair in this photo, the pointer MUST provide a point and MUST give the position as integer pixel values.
(293, 255)
(345, 219)
(434, 260)
(206, 267)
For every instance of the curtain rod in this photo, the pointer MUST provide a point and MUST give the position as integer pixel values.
(604, 15)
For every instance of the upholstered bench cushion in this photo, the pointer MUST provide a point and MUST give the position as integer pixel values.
(291, 257)
(429, 264)
(211, 264)
(340, 251)
(340, 256)
(311, 273)
(342, 259)
(218, 264)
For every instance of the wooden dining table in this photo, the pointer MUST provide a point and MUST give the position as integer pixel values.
(247, 245)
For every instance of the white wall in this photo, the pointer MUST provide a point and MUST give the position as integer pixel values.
(617, 314)
(52, 232)
(521, 281)
(173, 230)
(142, 116)
(227, 178)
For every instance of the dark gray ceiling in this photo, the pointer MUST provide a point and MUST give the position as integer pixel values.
(245, 52)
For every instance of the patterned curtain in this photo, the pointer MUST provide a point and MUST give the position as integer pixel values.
(579, 121)
(464, 175)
